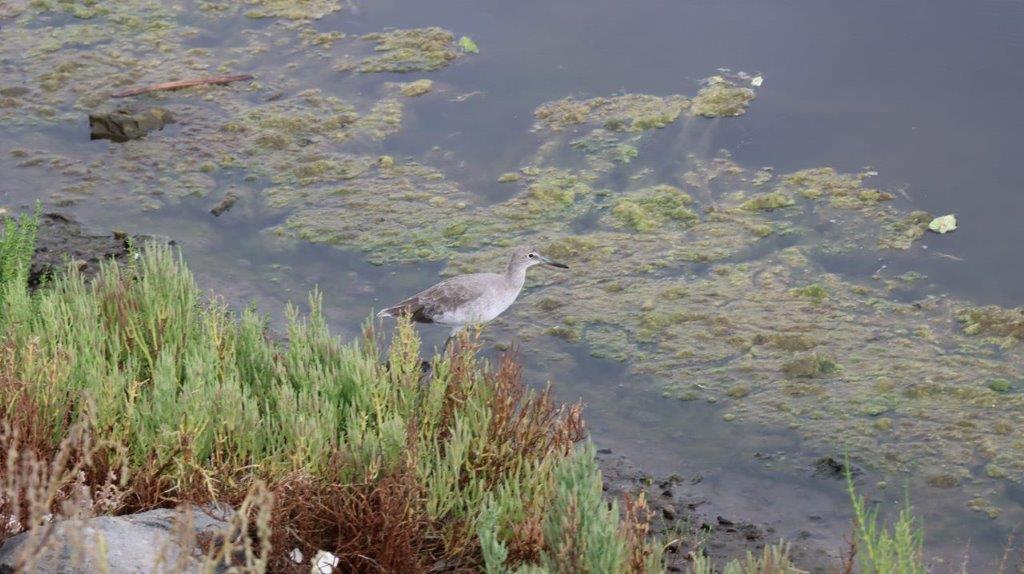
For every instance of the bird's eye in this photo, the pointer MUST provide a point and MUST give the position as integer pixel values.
(531, 256)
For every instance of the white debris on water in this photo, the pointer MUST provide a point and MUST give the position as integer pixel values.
(943, 224)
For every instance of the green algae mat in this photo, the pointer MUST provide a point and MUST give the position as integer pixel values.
(711, 277)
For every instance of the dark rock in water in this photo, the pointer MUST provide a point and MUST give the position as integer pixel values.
(829, 467)
(131, 544)
(123, 124)
(61, 239)
(225, 204)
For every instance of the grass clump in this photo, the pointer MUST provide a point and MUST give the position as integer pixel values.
(361, 457)
(774, 559)
(878, 549)
(17, 244)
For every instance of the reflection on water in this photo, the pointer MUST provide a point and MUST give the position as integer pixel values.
(919, 91)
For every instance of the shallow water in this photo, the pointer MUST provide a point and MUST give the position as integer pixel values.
(922, 92)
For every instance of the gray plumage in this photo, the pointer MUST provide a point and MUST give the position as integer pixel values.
(472, 299)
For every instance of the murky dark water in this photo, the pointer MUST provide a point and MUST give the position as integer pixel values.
(925, 92)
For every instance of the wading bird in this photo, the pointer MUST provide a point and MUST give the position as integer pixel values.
(472, 299)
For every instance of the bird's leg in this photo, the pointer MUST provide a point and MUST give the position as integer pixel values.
(451, 337)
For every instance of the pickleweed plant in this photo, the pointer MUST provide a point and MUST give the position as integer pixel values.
(881, 549)
(17, 244)
(346, 449)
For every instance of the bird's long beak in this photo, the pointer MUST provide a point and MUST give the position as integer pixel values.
(551, 263)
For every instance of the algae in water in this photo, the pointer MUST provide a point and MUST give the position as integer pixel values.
(414, 50)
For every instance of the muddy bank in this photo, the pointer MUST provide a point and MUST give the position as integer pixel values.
(678, 520)
(62, 240)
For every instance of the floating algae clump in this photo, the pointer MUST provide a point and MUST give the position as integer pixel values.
(993, 321)
(791, 341)
(571, 334)
(293, 123)
(842, 189)
(384, 119)
(768, 201)
(551, 194)
(393, 196)
(653, 207)
(812, 365)
(720, 97)
(982, 505)
(292, 9)
(417, 88)
(813, 291)
(738, 391)
(417, 49)
(629, 112)
(467, 45)
(638, 112)
(1000, 385)
(313, 170)
(605, 149)
(900, 234)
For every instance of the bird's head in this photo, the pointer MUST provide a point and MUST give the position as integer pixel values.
(525, 257)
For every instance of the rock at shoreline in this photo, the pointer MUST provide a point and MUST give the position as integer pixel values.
(130, 544)
(62, 239)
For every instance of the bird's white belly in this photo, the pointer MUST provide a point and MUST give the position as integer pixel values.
(481, 310)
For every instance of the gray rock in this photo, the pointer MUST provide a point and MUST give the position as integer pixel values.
(133, 544)
(123, 124)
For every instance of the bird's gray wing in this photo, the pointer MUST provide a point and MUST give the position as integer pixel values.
(433, 302)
